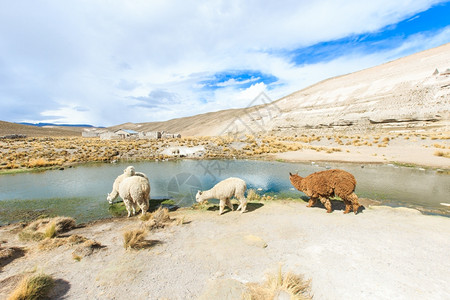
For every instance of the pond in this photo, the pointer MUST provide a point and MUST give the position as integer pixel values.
(80, 192)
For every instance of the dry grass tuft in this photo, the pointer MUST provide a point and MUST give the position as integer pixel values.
(85, 248)
(135, 239)
(280, 286)
(201, 206)
(46, 228)
(158, 219)
(76, 239)
(442, 154)
(51, 243)
(252, 195)
(83, 245)
(33, 287)
(50, 230)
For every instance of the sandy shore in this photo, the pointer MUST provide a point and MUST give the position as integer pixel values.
(381, 253)
(401, 153)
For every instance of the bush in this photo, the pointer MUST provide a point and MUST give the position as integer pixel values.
(33, 287)
(46, 228)
(278, 285)
(252, 195)
(135, 239)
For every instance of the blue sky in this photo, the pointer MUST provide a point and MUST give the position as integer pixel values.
(107, 63)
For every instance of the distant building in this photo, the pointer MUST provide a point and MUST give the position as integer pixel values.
(152, 135)
(108, 135)
(126, 133)
(105, 134)
(167, 135)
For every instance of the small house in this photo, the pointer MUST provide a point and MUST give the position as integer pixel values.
(126, 133)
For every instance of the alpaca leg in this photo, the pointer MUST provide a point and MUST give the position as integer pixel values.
(312, 201)
(354, 200)
(348, 206)
(229, 204)
(128, 206)
(242, 203)
(144, 207)
(221, 206)
(326, 202)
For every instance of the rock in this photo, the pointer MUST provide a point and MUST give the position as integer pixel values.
(219, 274)
(253, 240)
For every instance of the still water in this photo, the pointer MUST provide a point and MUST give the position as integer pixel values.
(80, 192)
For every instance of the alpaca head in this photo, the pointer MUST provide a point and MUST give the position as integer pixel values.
(130, 171)
(109, 198)
(199, 197)
(295, 179)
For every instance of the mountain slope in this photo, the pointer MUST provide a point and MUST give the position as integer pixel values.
(401, 93)
(7, 128)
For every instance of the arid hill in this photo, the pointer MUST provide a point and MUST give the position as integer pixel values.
(7, 128)
(403, 94)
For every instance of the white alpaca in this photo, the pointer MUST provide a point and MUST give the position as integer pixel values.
(128, 172)
(135, 192)
(224, 191)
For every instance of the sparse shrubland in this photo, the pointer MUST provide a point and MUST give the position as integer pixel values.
(57, 152)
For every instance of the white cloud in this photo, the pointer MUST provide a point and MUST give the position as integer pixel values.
(105, 56)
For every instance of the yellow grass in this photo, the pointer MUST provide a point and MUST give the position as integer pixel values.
(135, 239)
(442, 154)
(46, 228)
(279, 286)
(158, 219)
(253, 195)
(35, 286)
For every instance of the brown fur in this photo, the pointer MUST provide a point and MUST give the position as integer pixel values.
(325, 184)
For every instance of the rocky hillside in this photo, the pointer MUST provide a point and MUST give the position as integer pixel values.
(407, 93)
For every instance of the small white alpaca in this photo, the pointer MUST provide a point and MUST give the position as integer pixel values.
(128, 172)
(224, 191)
(135, 192)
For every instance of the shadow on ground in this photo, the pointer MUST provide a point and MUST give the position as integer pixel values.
(337, 205)
(10, 254)
(250, 207)
(60, 289)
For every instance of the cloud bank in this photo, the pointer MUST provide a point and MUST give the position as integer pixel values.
(107, 63)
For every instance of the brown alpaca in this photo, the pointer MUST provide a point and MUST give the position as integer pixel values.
(325, 184)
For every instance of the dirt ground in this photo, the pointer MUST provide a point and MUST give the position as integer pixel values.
(380, 253)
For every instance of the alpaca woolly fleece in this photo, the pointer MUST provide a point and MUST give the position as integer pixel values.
(224, 191)
(128, 172)
(324, 184)
(135, 192)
